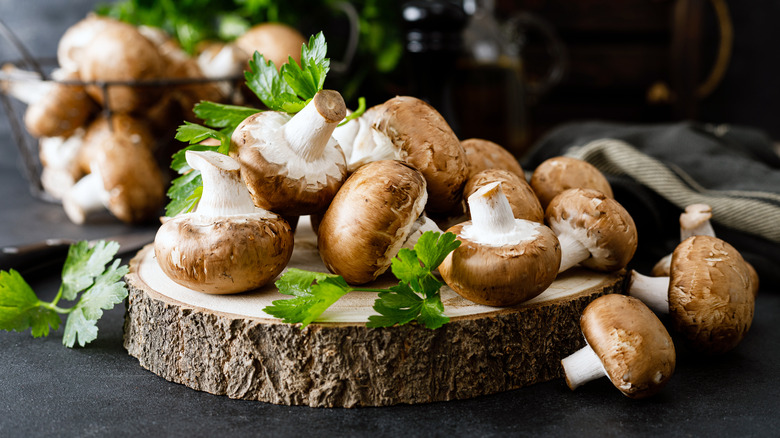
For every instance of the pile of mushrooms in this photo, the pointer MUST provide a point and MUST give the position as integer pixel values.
(114, 101)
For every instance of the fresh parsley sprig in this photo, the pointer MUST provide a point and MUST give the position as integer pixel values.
(90, 276)
(415, 298)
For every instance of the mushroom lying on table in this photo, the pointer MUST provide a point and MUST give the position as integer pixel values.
(371, 219)
(227, 245)
(594, 230)
(557, 174)
(502, 261)
(708, 295)
(627, 343)
(291, 164)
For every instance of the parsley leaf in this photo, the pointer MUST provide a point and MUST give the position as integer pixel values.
(85, 279)
(415, 298)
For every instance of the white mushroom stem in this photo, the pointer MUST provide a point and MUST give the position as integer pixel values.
(224, 193)
(26, 86)
(572, 251)
(85, 198)
(582, 366)
(491, 213)
(653, 291)
(695, 221)
(309, 131)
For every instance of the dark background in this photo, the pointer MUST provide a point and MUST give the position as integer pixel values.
(49, 390)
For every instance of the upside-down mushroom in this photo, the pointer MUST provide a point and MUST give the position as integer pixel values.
(502, 261)
(292, 165)
(227, 245)
(518, 192)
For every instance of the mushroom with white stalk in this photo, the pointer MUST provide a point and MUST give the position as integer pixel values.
(227, 245)
(291, 164)
(627, 343)
(708, 294)
(695, 221)
(594, 230)
(377, 212)
(56, 107)
(502, 261)
(557, 174)
(518, 192)
(59, 161)
(124, 179)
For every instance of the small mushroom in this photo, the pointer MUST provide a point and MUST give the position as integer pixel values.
(484, 154)
(627, 343)
(708, 294)
(557, 174)
(119, 52)
(502, 261)
(59, 160)
(108, 129)
(227, 245)
(370, 219)
(124, 179)
(277, 42)
(518, 192)
(292, 165)
(594, 230)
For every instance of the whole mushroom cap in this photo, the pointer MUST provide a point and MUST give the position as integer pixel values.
(557, 174)
(428, 143)
(370, 218)
(710, 294)
(77, 36)
(600, 223)
(502, 275)
(635, 349)
(519, 193)
(119, 52)
(484, 154)
(104, 130)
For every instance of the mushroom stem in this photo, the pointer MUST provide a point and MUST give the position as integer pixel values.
(26, 86)
(582, 366)
(309, 131)
(85, 198)
(695, 221)
(224, 193)
(572, 251)
(653, 291)
(491, 213)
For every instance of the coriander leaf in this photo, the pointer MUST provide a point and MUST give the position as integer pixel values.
(269, 86)
(399, 305)
(78, 326)
(184, 193)
(84, 264)
(193, 133)
(432, 313)
(432, 248)
(406, 266)
(20, 308)
(308, 78)
(298, 282)
(217, 115)
(310, 300)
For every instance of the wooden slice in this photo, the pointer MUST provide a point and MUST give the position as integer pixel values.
(226, 344)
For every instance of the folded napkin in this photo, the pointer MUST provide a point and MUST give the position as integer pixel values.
(657, 170)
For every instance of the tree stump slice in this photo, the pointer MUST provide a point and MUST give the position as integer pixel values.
(227, 345)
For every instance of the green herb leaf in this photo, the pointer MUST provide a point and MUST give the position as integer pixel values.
(314, 292)
(217, 115)
(308, 78)
(20, 308)
(269, 86)
(184, 193)
(433, 248)
(85, 279)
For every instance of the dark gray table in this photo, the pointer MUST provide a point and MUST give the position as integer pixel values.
(49, 390)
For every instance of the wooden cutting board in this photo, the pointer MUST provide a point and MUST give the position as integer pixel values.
(227, 345)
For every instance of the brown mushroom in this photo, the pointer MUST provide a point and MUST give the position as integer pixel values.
(594, 230)
(557, 174)
(370, 219)
(625, 341)
(708, 294)
(119, 52)
(518, 192)
(107, 129)
(292, 165)
(484, 154)
(72, 42)
(502, 261)
(275, 41)
(59, 161)
(426, 141)
(227, 245)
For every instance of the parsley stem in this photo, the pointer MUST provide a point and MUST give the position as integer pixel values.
(366, 289)
(53, 306)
